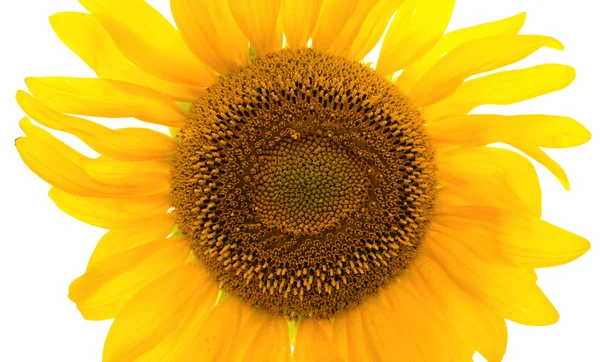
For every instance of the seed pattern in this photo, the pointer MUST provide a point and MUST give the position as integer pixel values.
(305, 182)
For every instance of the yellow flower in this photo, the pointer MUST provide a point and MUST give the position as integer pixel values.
(307, 207)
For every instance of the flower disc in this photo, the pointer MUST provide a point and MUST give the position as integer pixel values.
(305, 182)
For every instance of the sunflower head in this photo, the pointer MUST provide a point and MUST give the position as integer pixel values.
(298, 199)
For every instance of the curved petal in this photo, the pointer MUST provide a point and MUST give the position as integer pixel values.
(106, 98)
(298, 19)
(210, 31)
(418, 25)
(492, 176)
(107, 285)
(159, 310)
(535, 130)
(313, 343)
(348, 34)
(502, 88)
(542, 157)
(149, 41)
(258, 20)
(471, 320)
(525, 240)
(506, 289)
(109, 213)
(333, 17)
(411, 74)
(84, 35)
(472, 58)
(122, 144)
(349, 336)
(118, 241)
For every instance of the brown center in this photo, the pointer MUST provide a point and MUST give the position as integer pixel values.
(305, 182)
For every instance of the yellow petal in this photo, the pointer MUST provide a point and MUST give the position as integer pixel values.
(472, 58)
(502, 88)
(149, 41)
(523, 239)
(533, 130)
(122, 144)
(84, 35)
(264, 337)
(145, 178)
(118, 241)
(418, 25)
(109, 213)
(107, 285)
(313, 344)
(106, 98)
(545, 160)
(210, 31)
(158, 310)
(258, 21)
(473, 322)
(333, 17)
(411, 74)
(491, 176)
(502, 287)
(298, 19)
(343, 41)
(350, 337)
(372, 29)
(438, 341)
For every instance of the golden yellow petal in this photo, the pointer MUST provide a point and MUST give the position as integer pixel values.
(109, 213)
(418, 25)
(84, 35)
(258, 20)
(210, 31)
(159, 310)
(106, 98)
(372, 29)
(118, 241)
(349, 336)
(136, 144)
(475, 324)
(107, 285)
(149, 41)
(313, 343)
(298, 20)
(343, 40)
(505, 288)
(546, 161)
(533, 130)
(472, 58)
(411, 74)
(502, 88)
(491, 176)
(333, 17)
(523, 239)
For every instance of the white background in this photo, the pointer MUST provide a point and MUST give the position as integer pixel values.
(42, 249)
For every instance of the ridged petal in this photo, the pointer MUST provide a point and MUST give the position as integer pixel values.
(158, 310)
(109, 213)
(472, 58)
(471, 320)
(314, 344)
(210, 31)
(118, 241)
(349, 336)
(372, 28)
(492, 176)
(542, 157)
(502, 88)
(450, 41)
(510, 292)
(348, 34)
(333, 17)
(298, 19)
(418, 25)
(258, 20)
(84, 35)
(107, 285)
(106, 98)
(122, 144)
(149, 41)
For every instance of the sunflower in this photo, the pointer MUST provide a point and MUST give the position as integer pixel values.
(306, 205)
